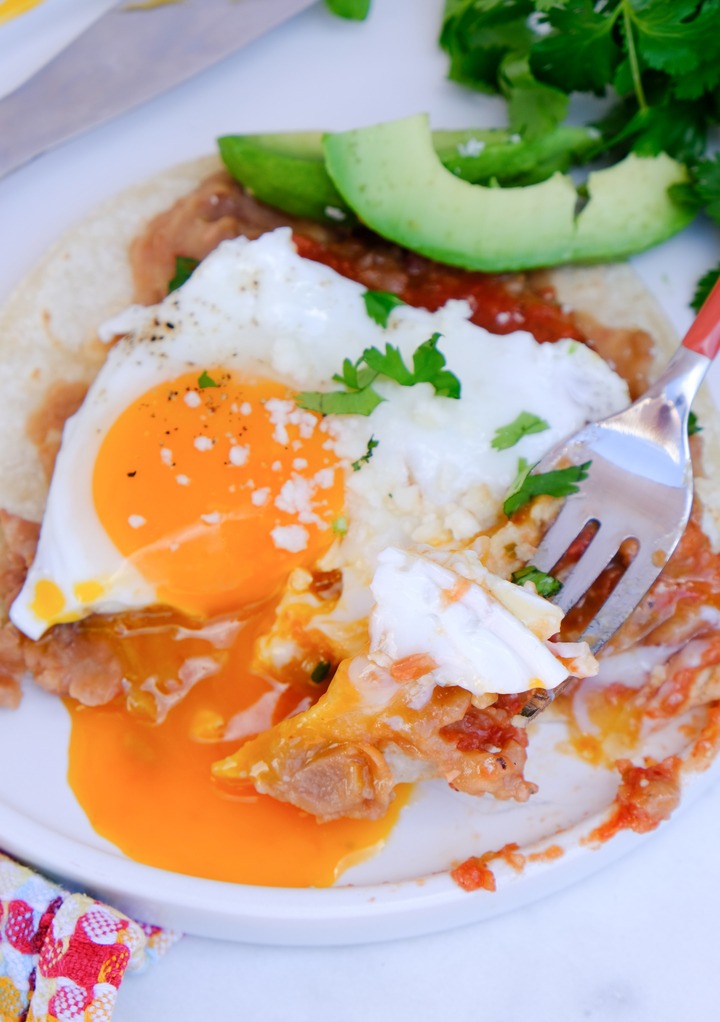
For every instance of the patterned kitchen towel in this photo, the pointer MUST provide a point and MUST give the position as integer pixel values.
(63, 955)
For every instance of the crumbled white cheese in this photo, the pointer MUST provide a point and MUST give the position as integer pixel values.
(238, 455)
(260, 496)
(473, 147)
(293, 538)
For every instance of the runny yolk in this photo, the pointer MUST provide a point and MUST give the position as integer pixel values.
(215, 486)
(147, 786)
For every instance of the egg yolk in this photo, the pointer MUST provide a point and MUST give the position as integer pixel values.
(215, 486)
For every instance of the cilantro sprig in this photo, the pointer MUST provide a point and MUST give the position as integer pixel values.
(512, 433)
(379, 305)
(559, 482)
(657, 62)
(360, 398)
(184, 269)
(545, 585)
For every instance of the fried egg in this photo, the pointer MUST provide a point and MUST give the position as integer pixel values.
(191, 478)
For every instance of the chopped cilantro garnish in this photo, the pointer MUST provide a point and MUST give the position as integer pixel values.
(428, 367)
(320, 671)
(379, 305)
(372, 444)
(205, 380)
(359, 397)
(560, 482)
(693, 424)
(524, 423)
(545, 585)
(338, 402)
(184, 268)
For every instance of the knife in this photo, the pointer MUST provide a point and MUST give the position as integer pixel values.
(126, 57)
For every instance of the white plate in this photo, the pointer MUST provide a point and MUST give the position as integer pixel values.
(403, 891)
(314, 72)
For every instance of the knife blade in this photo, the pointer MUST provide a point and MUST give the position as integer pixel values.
(126, 57)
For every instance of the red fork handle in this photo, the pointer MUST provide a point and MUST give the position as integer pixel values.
(703, 336)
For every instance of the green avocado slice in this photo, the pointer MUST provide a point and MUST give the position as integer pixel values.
(287, 170)
(390, 175)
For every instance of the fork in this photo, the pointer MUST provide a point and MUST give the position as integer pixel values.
(639, 488)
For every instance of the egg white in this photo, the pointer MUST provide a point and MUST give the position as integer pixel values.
(258, 307)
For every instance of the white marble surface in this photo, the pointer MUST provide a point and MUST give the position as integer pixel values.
(635, 941)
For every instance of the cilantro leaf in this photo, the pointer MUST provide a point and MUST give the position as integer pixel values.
(704, 286)
(359, 398)
(545, 585)
(582, 52)
(672, 36)
(478, 35)
(184, 267)
(355, 10)
(205, 380)
(693, 424)
(379, 305)
(533, 108)
(513, 432)
(365, 458)
(354, 375)
(706, 176)
(338, 402)
(672, 126)
(559, 482)
(428, 367)
(389, 363)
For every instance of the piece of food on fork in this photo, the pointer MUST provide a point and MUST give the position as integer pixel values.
(636, 498)
(435, 695)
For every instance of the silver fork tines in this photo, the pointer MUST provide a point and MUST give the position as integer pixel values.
(639, 487)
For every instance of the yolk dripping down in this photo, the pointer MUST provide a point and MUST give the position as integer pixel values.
(214, 493)
(215, 487)
(149, 789)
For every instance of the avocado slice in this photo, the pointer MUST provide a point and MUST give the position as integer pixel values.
(391, 176)
(287, 170)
